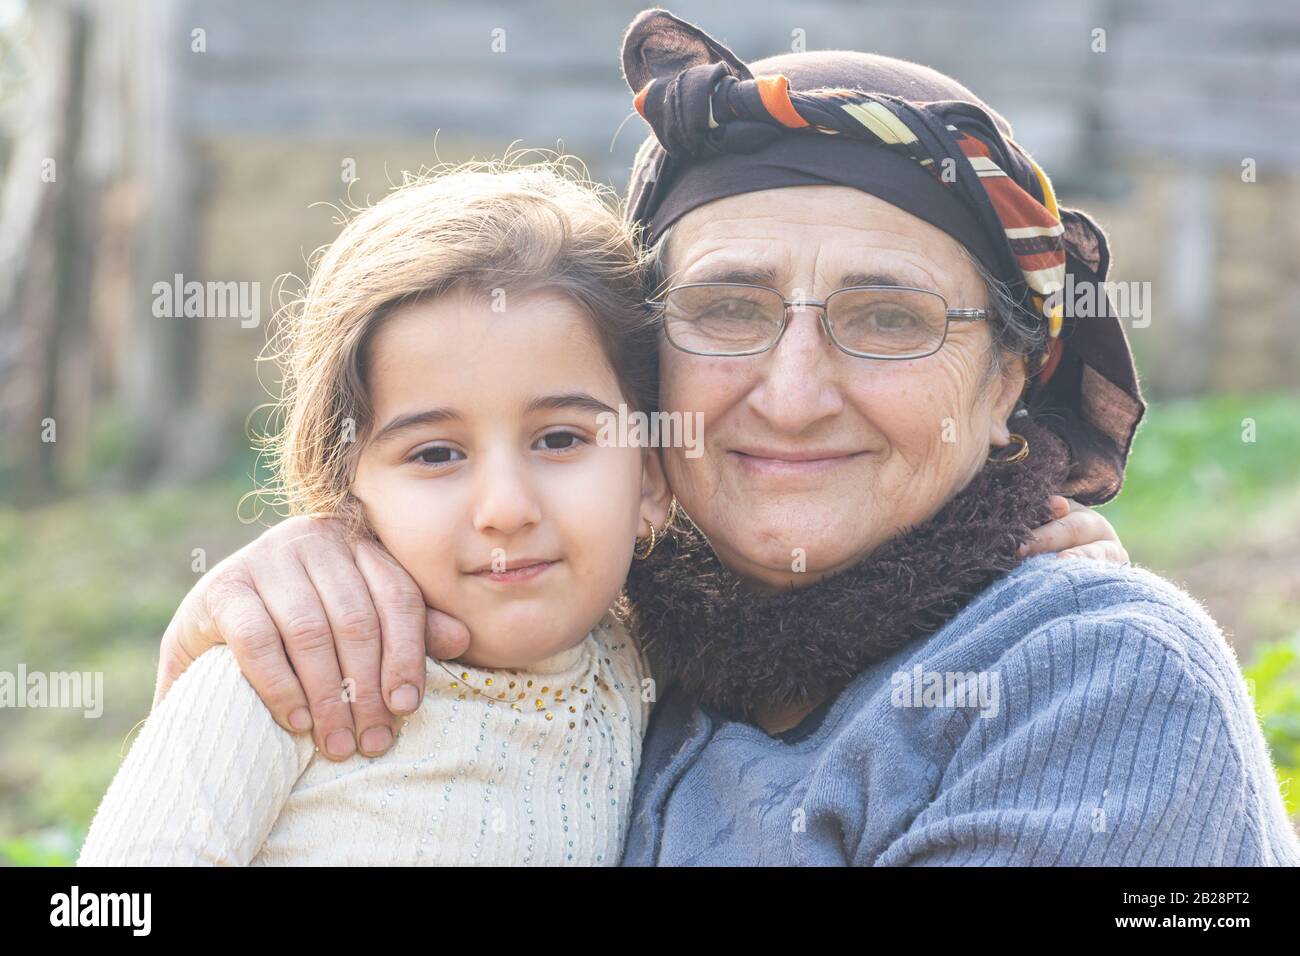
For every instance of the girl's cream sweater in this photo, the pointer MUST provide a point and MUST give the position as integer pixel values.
(496, 767)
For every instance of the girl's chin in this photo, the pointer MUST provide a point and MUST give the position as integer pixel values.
(509, 660)
(499, 647)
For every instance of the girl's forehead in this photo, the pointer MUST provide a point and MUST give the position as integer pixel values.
(465, 323)
(485, 348)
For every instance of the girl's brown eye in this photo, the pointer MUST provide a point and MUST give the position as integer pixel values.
(436, 455)
(560, 441)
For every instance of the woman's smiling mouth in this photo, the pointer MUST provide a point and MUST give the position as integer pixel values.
(777, 463)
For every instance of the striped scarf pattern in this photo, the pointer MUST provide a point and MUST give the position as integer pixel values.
(699, 110)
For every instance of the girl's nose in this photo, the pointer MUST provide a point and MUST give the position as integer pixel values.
(505, 500)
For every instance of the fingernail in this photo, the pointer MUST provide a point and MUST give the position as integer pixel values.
(376, 739)
(406, 698)
(300, 719)
(340, 744)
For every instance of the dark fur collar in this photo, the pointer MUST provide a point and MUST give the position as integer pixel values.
(743, 653)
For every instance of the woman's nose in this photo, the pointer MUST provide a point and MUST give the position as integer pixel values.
(797, 386)
(505, 500)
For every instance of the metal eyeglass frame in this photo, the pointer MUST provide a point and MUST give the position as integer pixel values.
(952, 315)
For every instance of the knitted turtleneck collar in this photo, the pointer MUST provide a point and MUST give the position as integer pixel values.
(744, 654)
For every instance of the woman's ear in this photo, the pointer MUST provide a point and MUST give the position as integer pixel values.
(656, 496)
(1010, 385)
(658, 44)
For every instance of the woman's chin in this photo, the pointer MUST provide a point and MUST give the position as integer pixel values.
(783, 556)
(780, 567)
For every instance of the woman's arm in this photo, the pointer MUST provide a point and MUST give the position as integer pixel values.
(304, 607)
(203, 782)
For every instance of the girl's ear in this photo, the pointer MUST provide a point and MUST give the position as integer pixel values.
(658, 44)
(656, 496)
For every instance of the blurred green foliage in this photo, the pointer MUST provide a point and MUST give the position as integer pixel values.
(1275, 680)
(1194, 485)
(89, 584)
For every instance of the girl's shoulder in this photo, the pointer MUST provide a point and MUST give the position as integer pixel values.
(214, 672)
(213, 702)
(205, 778)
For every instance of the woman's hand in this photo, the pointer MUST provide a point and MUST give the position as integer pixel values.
(331, 632)
(1077, 531)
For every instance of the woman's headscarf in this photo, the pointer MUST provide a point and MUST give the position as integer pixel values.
(919, 140)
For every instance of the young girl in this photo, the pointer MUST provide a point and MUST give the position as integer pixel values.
(448, 374)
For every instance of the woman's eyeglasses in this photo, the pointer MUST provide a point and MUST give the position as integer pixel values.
(880, 322)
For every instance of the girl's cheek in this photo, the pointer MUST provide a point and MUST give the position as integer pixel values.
(411, 522)
(602, 512)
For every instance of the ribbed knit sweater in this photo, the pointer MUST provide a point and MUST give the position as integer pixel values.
(496, 767)
(1076, 713)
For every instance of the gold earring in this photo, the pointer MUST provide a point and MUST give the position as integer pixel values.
(654, 534)
(636, 548)
(1020, 454)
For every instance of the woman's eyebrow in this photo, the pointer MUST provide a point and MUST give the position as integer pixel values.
(766, 276)
(434, 416)
(872, 278)
(721, 272)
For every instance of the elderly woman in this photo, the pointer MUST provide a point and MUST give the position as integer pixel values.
(855, 268)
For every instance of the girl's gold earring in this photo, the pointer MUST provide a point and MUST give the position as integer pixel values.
(655, 534)
(636, 548)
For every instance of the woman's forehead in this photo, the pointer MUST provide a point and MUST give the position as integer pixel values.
(833, 234)
(800, 215)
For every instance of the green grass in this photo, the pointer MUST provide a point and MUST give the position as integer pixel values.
(89, 584)
(1195, 486)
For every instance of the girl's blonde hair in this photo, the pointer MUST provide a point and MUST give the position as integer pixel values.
(479, 227)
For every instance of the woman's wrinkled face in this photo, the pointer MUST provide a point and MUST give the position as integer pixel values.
(483, 476)
(813, 458)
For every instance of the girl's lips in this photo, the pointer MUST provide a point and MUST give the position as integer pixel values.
(518, 575)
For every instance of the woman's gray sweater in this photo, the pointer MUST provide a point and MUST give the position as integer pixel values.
(1076, 713)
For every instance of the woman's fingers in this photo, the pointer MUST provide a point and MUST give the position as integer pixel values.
(358, 638)
(304, 626)
(299, 615)
(238, 617)
(401, 609)
(446, 637)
